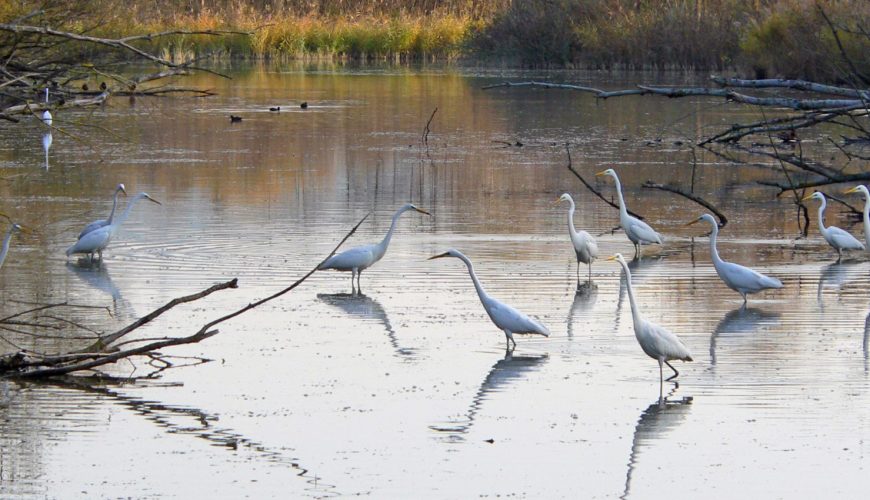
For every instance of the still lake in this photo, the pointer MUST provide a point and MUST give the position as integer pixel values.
(406, 390)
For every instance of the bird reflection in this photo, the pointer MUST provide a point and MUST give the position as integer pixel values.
(97, 276)
(866, 341)
(584, 299)
(46, 145)
(655, 423)
(835, 276)
(363, 306)
(741, 321)
(505, 372)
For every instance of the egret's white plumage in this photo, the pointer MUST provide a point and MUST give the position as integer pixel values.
(585, 247)
(357, 259)
(638, 231)
(863, 190)
(657, 342)
(836, 237)
(46, 115)
(97, 240)
(14, 228)
(739, 278)
(105, 222)
(505, 317)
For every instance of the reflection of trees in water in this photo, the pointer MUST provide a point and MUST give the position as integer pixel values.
(742, 320)
(63, 399)
(502, 374)
(363, 306)
(584, 299)
(96, 275)
(654, 424)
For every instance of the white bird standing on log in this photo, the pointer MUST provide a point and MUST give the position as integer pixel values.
(836, 237)
(638, 231)
(863, 190)
(585, 247)
(657, 342)
(97, 240)
(46, 115)
(739, 278)
(105, 222)
(358, 259)
(505, 317)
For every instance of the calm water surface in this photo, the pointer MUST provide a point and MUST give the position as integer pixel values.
(406, 390)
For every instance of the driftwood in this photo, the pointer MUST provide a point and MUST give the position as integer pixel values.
(690, 196)
(106, 348)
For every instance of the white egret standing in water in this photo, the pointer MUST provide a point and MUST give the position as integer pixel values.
(46, 115)
(105, 222)
(739, 278)
(585, 247)
(863, 190)
(638, 231)
(97, 240)
(505, 317)
(14, 228)
(357, 259)
(657, 342)
(836, 237)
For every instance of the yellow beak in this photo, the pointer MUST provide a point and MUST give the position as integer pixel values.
(807, 197)
(690, 223)
(853, 190)
(601, 173)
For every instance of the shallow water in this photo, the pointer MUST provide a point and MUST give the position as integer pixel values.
(406, 388)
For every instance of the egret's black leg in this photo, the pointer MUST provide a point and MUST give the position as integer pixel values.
(676, 373)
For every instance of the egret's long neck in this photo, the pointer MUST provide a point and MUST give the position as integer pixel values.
(477, 286)
(114, 206)
(867, 219)
(46, 95)
(126, 213)
(635, 312)
(714, 252)
(623, 212)
(822, 215)
(382, 246)
(571, 209)
(5, 249)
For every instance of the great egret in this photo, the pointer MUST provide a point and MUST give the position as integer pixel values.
(863, 190)
(638, 231)
(585, 246)
(836, 237)
(505, 317)
(14, 228)
(739, 278)
(657, 342)
(46, 115)
(105, 222)
(357, 259)
(97, 240)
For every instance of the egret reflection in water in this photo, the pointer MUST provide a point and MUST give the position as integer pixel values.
(363, 306)
(741, 321)
(654, 425)
(503, 373)
(97, 276)
(46, 145)
(584, 300)
(866, 341)
(835, 276)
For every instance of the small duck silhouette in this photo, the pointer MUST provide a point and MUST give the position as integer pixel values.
(235, 119)
(304, 105)
(276, 108)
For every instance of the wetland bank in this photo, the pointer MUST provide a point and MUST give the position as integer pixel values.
(406, 387)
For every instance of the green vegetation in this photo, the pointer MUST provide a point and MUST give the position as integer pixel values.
(788, 38)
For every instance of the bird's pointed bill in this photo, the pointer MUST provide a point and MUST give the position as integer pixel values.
(692, 222)
(601, 173)
(852, 190)
(152, 199)
(445, 254)
(422, 211)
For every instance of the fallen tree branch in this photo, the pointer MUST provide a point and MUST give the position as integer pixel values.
(697, 199)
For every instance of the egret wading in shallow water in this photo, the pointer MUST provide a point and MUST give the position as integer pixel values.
(739, 278)
(97, 240)
(585, 247)
(863, 190)
(657, 342)
(360, 258)
(505, 317)
(14, 228)
(105, 222)
(836, 237)
(638, 231)
(46, 115)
